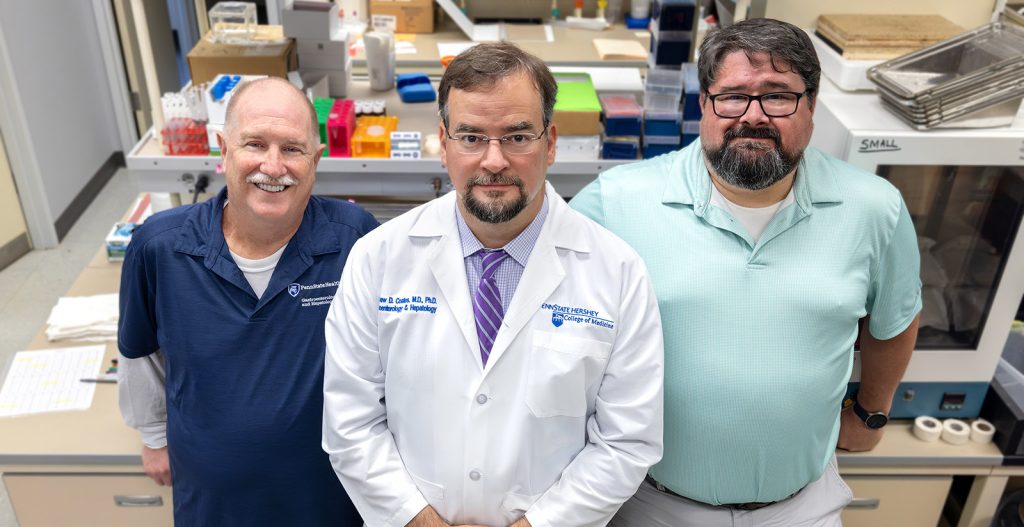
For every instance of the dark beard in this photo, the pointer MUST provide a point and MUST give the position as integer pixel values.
(751, 166)
(497, 212)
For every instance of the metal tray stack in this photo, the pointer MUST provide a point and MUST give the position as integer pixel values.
(970, 72)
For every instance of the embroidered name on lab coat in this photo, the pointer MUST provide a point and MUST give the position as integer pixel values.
(408, 304)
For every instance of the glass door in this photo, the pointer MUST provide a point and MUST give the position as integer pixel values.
(966, 218)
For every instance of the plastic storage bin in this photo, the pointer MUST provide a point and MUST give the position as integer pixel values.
(656, 145)
(233, 22)
(663, 89)
(373, 136)
(620, 148)
(323, 107)
(622, 114)
(673, 15)
(662, 123)
(341, 124)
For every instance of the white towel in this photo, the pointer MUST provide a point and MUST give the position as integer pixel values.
(92, 318)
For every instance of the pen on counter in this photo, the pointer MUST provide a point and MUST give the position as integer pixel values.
(97, 380)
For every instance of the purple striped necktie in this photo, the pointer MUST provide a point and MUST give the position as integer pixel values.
(487, 308)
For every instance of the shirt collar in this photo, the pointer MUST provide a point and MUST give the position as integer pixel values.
(689, 182)
(519, 248)
(203, 235)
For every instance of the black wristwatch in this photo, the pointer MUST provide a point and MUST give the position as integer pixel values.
(873, 420)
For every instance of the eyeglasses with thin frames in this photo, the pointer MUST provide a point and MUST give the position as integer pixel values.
(774, 104)
(517, 143)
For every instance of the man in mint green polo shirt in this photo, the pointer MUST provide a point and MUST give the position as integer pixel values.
(767, 257)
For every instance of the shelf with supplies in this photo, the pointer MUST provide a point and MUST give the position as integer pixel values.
(422, 178)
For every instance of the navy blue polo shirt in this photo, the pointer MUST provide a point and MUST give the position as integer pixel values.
(244, 374)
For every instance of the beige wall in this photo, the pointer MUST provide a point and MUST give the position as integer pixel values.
(12, 223)
(803, 13)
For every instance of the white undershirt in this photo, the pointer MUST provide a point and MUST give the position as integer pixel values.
(258, 272)
(754, 220)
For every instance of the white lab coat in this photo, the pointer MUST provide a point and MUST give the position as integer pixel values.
(561, 425)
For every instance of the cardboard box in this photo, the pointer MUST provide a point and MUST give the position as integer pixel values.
(316, 25)
(208, 59)
(404, 16)
(577, 109)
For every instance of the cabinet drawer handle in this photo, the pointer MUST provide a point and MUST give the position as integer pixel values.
(139, 501)
(864, 503)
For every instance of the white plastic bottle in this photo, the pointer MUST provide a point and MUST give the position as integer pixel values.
(640, 9)
(380, 59)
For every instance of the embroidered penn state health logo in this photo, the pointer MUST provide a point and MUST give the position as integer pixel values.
(294, 289)
(557, 320)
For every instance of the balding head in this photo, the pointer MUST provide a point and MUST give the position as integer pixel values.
(273, 88)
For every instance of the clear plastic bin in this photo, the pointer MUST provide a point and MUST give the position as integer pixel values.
(664, 80)
(233, 22)
(661, 102)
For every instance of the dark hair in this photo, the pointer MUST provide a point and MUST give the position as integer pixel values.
(483, 65)
(240, 90)
(787, 46)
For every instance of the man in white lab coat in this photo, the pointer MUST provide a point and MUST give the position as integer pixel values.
(493, 357)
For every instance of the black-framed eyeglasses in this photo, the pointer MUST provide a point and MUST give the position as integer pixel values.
(774, 104)
(517, 143)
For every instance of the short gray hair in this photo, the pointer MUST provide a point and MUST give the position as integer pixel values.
(485, 64)
(238, 95)
(788, 48)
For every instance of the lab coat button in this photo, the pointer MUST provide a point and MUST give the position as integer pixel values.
(481, 399)
(474, 475)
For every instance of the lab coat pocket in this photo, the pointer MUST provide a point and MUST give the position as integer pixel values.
(564, 371)
(432, 492)
(515, 505)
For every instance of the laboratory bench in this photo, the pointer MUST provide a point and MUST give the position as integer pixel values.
(84, 467)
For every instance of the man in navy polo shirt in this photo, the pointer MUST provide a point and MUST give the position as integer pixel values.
(222, 316)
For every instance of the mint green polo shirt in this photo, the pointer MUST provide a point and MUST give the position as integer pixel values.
(759, 337)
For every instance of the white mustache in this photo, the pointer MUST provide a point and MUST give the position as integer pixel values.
(263, 179)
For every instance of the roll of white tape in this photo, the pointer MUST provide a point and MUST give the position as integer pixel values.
(955, 432)
(982, 431)
(927, 428)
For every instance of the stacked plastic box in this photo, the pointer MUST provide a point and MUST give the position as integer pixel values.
(691, 104)
(233, 22)
(663, 89)
(673, 25)
(372, 137)
(341, 124)
(216, 97)
(323, 106)
(622, 125)
(322, 46)
(578, 118)
(184, 129)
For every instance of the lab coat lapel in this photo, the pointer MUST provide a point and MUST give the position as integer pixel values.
(447, 265)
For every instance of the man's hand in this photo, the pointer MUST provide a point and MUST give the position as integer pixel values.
(521, 522)
(157, 465)
(854, 435)
(428, 517)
